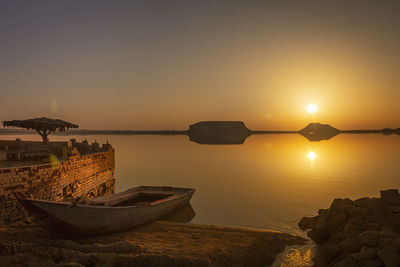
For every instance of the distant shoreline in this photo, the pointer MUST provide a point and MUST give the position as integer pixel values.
(178, 132)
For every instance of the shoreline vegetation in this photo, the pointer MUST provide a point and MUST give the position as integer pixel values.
(162, 243)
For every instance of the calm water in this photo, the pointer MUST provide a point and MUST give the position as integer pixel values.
(270, 181)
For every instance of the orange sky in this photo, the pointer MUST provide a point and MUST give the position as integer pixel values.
(130, 65)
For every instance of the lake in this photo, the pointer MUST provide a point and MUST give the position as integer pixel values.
(270, 181)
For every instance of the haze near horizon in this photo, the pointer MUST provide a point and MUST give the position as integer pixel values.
(165, 65)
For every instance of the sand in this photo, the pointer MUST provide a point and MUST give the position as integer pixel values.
(162, 243)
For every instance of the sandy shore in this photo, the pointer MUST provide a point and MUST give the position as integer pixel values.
(162, 243)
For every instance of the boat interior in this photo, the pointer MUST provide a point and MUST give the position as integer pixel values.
(142, 199)
(128, 199)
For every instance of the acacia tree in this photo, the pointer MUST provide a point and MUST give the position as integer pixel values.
(44, 126)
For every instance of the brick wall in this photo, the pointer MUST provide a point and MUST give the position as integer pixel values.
(80, 175)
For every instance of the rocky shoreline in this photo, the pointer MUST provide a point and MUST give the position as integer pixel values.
(363, 232)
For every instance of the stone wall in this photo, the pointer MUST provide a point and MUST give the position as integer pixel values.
(80, 175)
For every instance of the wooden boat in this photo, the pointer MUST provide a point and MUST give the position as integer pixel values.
(107, 214)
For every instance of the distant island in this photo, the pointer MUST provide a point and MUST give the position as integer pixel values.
(318, 132)
(218, 132)
(224, 132)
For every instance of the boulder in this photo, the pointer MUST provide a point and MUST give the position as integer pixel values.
(347, 262)
(318, 236)
(339, 204)
(69, 264)
(307, 223)
(336, 221)
(396, 244)
(372, 263)
(371, 226)
(369, 238)
(390, 197)
(389, 234)
(326, 253)
(321, 221)
(337, 237)
(394, 209)
(378, 214)
(364, 202)
(351, 245)
(389, 256)
(397, 218)
(353, 211)
(366, 253)
(322, 211)
(352, 229)
(383, 242)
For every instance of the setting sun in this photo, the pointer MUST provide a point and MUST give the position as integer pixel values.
(312, 108)
(311, 155)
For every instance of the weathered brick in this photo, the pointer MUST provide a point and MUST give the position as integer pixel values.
(71, 178)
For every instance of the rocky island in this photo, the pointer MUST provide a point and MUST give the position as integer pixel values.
(318, 132)
(218, 132)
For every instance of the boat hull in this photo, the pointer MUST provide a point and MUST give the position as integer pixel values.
(91, 220)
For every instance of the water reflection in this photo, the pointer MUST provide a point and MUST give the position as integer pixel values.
(184, 214)
(267, 182)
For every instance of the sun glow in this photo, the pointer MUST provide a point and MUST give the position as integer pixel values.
(312, 108)
(311, 155)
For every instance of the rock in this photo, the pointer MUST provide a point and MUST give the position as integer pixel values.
(394, 209)
(318, 236)
(364, 202)
(353, 211)
(336, 237)
(339, 204)
(347, 262)
(366, 253)
(351, 229)
(378, 214)
(326, 253)
(369, 238)
(389, 234)
(322, 220)
(372, 226)
(70, 264)
(372, 263)
(336, 221)
(322, 211)
(307, 222)
(390, 223)
(396, 244)
(397, 217)
(389, 256)
(383, 242)
(390, 197)
(351, 245)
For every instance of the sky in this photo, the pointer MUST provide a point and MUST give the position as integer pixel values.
(167, 64)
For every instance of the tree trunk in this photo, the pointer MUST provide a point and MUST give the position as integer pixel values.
(44, 135)
(45, 139)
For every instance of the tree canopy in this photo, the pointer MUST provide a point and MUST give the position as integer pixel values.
(44, 126)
